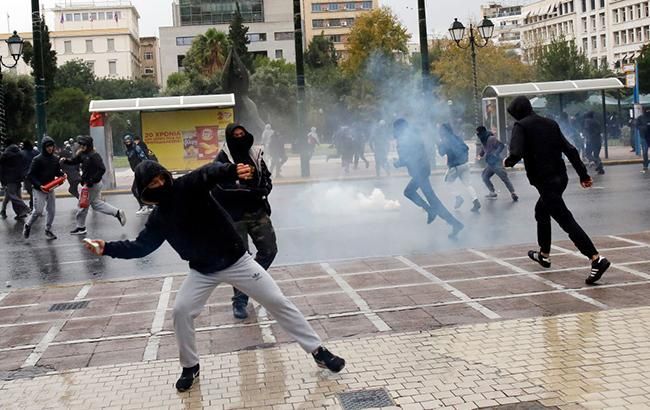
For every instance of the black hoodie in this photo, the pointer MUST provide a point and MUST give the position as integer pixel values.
(92, 165)
(45, 167)
(11, 162)
(239, 197)
(539, 141)
(190, 219)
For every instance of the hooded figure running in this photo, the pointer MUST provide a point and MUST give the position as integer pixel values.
(540, 143)
(135, 154)
(492, 150)
(247, 203)
(457, 153)
(413, 156)
(202, 233)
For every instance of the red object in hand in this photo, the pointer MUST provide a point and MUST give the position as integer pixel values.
(56, 182)
(84, 197)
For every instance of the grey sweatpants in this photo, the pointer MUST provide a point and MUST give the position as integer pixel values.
(248, 276)
(12, 194)
(97, 204)
(461, 173)
(41, 200)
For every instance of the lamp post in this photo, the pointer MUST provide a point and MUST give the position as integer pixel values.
(15, 45)
(457, 31)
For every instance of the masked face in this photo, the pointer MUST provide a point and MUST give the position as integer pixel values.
(240, 141)
(159, 190)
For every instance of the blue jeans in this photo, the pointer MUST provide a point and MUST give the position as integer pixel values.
(432, 203)
(644, 151)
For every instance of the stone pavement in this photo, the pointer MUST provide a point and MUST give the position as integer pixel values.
(465, 329)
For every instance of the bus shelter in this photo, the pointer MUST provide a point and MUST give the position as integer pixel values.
(496, 98)
(184, 131)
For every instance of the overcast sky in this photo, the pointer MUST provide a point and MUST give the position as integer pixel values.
(157, 13)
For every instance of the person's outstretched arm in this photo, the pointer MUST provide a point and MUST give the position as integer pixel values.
(516, 146)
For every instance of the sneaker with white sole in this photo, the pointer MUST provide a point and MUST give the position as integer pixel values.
(141, 211)
(326, 360)
(187, 378)
(598, 267)
(78, 231)
(545, 261)
(121, 216)
(50, 235)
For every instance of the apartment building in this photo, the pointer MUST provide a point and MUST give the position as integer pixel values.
(150, 58)
(507, 21)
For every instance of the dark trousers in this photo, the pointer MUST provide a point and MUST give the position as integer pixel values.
(490, 171)
(432, 203)
(593, 153)
(134, 191)
(551, 205)
(258, 226)
(13, 195)
(644, 151)
(74, 187)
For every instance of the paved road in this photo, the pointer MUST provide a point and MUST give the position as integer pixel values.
(328, 222)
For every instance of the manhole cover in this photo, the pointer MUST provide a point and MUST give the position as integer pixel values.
(526, 405)
(365, 399)
(69, 306)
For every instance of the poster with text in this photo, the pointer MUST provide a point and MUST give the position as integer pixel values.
(185, 140)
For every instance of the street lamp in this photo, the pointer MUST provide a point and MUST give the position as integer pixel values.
(15, 45)
(485, 29)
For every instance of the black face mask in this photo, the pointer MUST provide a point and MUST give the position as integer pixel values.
(241, 145)
(158, 195)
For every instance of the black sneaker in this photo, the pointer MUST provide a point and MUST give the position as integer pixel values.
(515, 197)
(455, 230)
(477, 206)
(78, 231)
(326, 360)
(50, 235)
(20, 217)
(26, 230)
(121, 217)
(545, 261)
(3, 215)
(598, 267)
(239, 311)
(187, 378)
(459, 202)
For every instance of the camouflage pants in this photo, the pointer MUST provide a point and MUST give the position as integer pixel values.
(258, 226)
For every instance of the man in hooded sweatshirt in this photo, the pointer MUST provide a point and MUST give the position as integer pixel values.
(45, 168)
(413, 156)
(457, 153)
(28, 153)
(200, 230)
(135, 154)
(593, 131)
(92, 171)
(247, 202)
(12, 177)
(540, 143)
(491, 150)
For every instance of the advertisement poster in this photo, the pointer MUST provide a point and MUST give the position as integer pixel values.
(185, 140)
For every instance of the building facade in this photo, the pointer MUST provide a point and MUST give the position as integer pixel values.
(507, 21)
(609, 32)
(150, 58)
(104, 34)
(333, 19)
(270, 22)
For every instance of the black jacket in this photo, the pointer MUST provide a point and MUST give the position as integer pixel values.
(45, 167)
(11, 162)
(135, 154)
(239, 197)
(28, 153)
(413, 155)
(592, 128)
(539, 141)
(453, 147)
(92, 165)
(192, 221)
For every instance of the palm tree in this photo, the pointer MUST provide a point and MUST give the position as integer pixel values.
(208, 52)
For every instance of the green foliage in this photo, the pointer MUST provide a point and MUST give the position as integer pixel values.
(237, 36)
(76, 74)
(110, 88)
(208, 53)
(320, 53)
(28, 52)
(192, 83)
(644, 69)
(561, 60)
(19, 105)
(48, 60)
(68, 114)
(273, 89)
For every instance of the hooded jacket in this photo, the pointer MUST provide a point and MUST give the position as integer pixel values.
(45, 167)
(240, 197)
(28, 153)
(492, 148)
(134, 152)
(92, 165)
(411, 151)
(539, 141)
(189, 218)
(453, 147)
(11, 162)
(591, 128)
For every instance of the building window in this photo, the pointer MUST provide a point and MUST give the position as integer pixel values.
(148, 71)
(646, 32)
(279, 54)
(256, 37)
(283, 35)
(617, 38)
(184, 41)
(350, 6)
(179, 62)
(67, 46)
(316, 7)
(584, 24)
(603, 22)
(85, 16)
(89, 46)
(593, 4)
(593, 22)
(91, 65)
(639, 34)
(334, 23)
(77, 16)
(148, 55)
(318, 23)
(68, 17)
(602, 4)
(93, 16)
(623, 37)
(109, 15)
(112, 67)
(101, 15)
(603, 41)
(584, 6)
(584, 45)
(594, 44)
(366, 5)
(110, 44)
(335, 38)
(638, 11)
(333, 7)
(646, 10)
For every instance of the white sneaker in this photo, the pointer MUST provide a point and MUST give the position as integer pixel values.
(121, 216)
(141, 211)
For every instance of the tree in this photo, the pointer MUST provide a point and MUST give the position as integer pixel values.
(377, 32)
(19, 105)
(644, 69)
(273, 89)
(76, 74)
(320, 53)
(110, 88)
(207, 55)
(28, 52)
(192, 83)
(561, 60)
(45, 58)
(238, 38)
(69, 117)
